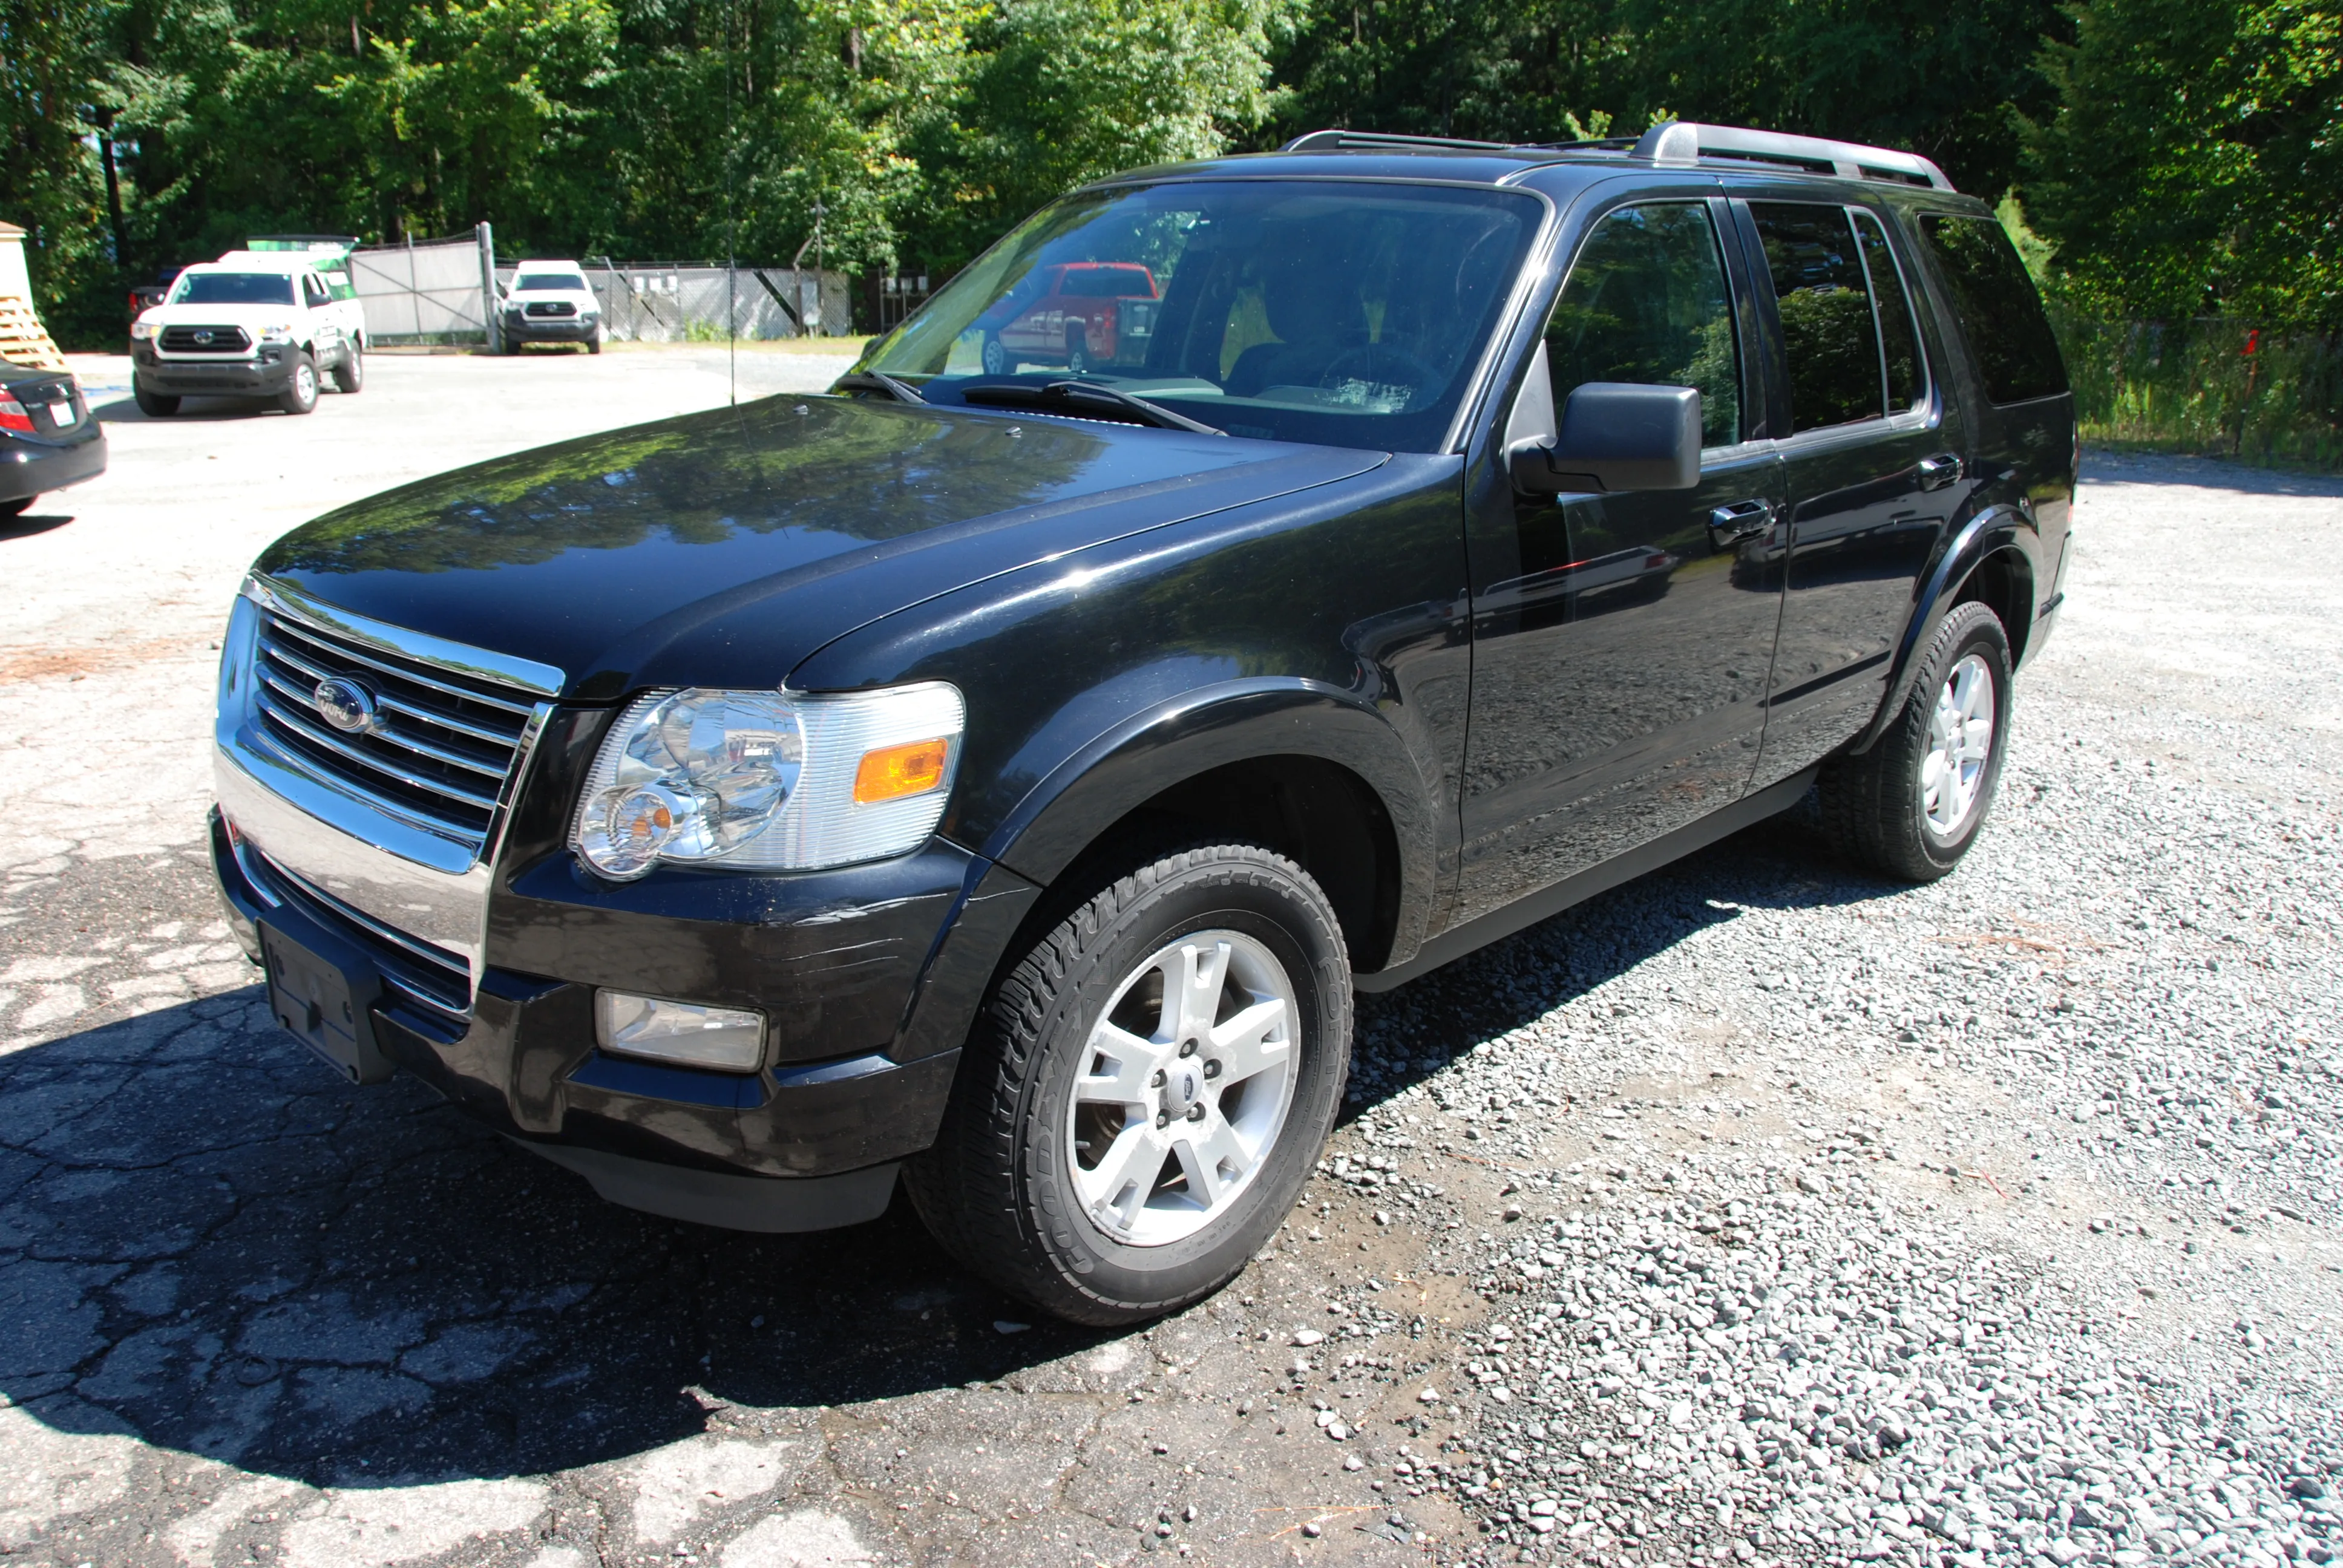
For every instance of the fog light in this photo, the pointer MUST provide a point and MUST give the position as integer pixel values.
(727, 1038)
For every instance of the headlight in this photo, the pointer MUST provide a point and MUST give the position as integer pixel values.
(277, 332)
(140, 331)
(769, 780)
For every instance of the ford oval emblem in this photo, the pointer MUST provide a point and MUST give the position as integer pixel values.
(344, 704)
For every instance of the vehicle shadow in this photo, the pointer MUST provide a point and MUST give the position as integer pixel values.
(210, 1241)
(27, 525)
(122, 409)
(206, 1237)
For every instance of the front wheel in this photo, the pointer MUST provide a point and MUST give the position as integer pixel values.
(349, 376)
(1913, 804)
(300, 394)
(1147, 1091)
(994, 354)
(593, 344)
(154, 405)
(17, 507)
(1078, 353)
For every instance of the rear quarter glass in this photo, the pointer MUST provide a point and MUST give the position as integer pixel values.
(2001, 315)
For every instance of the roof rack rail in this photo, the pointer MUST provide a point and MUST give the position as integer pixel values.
(1682, 142)
(1335, 141)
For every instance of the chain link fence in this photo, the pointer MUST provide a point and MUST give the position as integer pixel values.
(2210, 385)
(644, 302)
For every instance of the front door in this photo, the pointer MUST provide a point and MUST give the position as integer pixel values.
(1619, 676)
(1873, 467)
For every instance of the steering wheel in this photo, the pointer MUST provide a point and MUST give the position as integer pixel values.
(1374, 362)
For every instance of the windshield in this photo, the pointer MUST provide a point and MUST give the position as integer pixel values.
(549, 282)
(1347, 314)
(234, 288)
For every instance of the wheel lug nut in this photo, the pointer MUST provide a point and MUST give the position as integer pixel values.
(1212, 1069)
(1187, 1048)
(1196, 1112)
(1156, 1081)
(1163, 1118)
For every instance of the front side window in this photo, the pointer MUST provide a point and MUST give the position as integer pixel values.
(313, 292)
(1646, 302)
(2000, 312)
(234, 288)
(1829, 337)
(1350, 314)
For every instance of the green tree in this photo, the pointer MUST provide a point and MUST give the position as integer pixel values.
(2194, 160)
(1058, 92)
(55, 60)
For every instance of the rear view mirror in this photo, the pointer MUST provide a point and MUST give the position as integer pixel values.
(1614, 435)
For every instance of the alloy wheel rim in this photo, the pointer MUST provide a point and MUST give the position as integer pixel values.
(1185, 1083)
(1960, 747)
(306, 382)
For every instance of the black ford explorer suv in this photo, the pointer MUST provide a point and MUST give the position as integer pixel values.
(1002, 778)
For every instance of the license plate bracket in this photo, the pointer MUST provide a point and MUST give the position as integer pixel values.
(323, 991)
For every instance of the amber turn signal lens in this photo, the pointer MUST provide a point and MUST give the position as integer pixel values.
(893, 772)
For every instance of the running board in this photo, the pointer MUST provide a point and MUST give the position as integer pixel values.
(1522, 913)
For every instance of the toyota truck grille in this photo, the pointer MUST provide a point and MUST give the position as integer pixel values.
(205, 340)
(438, 748)
(551, 307)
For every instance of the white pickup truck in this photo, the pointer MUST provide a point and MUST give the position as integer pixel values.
(253, 323)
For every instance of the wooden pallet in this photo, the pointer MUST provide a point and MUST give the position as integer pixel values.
(22, 338)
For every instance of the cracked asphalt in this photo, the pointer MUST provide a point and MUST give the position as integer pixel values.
(251, 1315)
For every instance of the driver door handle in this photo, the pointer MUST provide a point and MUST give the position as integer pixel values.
(1729, 525)
(1940, 470)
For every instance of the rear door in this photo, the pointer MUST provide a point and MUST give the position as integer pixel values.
(1620, 642)
(1872, 465)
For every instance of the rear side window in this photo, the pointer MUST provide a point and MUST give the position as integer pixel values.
(1828, 336)
(2000, 313)
(1899, 341)
(1646, 302)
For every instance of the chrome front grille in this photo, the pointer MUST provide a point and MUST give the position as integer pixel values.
(417, 972)
(444, 744)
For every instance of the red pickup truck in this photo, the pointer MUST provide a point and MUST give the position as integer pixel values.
(1080, 315)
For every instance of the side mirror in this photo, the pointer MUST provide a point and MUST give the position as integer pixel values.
(1614, 435)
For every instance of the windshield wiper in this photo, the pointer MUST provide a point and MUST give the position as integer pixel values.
(1020, 394)
(877, 381)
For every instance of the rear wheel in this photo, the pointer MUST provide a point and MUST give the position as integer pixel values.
(1913, 804)
(1148, 1089)
(349, 376)
(995, 354)
(1077, 352)
(154, 405)
(300, 394)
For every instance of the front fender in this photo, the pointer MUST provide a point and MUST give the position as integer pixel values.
(1107, 776)
(1998, 527)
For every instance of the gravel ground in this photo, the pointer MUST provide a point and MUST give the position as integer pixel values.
(1755, 1213)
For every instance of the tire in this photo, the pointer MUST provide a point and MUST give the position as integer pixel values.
(17, 507)
(1896, 808)
(1017, 1186)
(994, 354)
(1078, 353)
(349, 376)
(154, 405)
(593, 344)
(300, 394)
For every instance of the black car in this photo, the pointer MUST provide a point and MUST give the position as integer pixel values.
(47, 439)
(1004, 779)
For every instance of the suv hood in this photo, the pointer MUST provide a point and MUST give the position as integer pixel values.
(722, 549)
